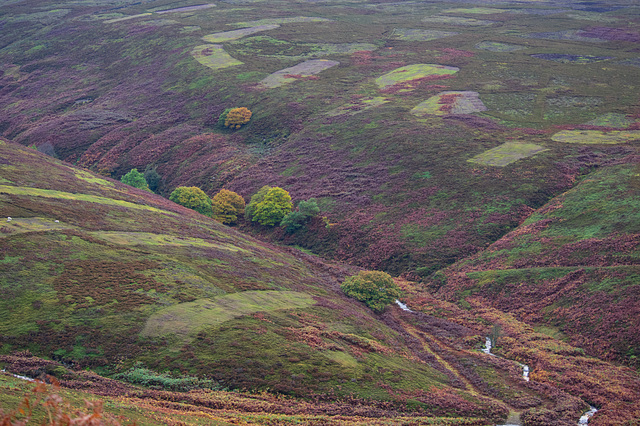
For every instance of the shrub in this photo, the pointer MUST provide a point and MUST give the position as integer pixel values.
(152, 177)
(234, 118)
(136, 179)
(227, 206)
(139, 375)
(296, 219)
(193, 198)
(376, 289)
(269, 206)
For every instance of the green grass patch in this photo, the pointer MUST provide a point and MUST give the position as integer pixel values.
(590, 137)
(359, 106)
(457, 20)
(49, 193)
(126, 18)
(277, 21)
(408, 34)
(236, 34)
(88, 177)
(214, 56)
(413, 72)
(186, 319)
(164, 240)
(612, 119)
(507, 153)
(494, 46)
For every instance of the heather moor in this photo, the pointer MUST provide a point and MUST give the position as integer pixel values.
(333, 212)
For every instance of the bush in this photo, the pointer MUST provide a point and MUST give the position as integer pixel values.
(136, 179)
(297, 219)
(139, 375)
(193, 198)
(227, 206)
(269, 206)
(152, 177)
(234, 118)
(376, 289)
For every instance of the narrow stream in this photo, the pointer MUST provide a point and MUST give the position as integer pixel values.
(29, 379)
(584, 420)
(403, 306)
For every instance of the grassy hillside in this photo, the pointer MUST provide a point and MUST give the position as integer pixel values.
(571, 268)
(427, 113)
(101, 275)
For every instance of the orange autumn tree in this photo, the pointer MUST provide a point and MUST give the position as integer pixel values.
(227, 206)
(236, 117)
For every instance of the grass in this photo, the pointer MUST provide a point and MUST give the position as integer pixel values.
(494, 46)
(279, 21)
(456, 20)
(419, 35)
(589, 137)
(214, 56)
(450, 102)
(413, 72)
(506, 154)
(49, 193)
(289, 75)
(187, 319)
(236, 34)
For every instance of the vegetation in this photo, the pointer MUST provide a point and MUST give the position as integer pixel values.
(375, 288)
(193, 198)
(296, 219)
(234, 118)
(227, 206)
(153, 178)
(269, 206)
(136, 179)
(139, 375)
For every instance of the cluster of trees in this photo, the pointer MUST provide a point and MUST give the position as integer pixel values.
(149, 180)
(225, 207)
(270, 206)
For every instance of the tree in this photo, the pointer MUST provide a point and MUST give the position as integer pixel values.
(376, 289)
(234, 118)
(193, 198)
(227, 206)
(136, 179)
(152, 177)
(269, 206)
(296, 219)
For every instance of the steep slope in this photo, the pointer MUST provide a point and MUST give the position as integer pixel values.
(572, 268)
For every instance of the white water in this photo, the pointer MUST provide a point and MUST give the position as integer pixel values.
(403, 306)
(29, 379)
(584, 420)
(487, 346)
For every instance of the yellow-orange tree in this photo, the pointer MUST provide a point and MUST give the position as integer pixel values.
(227, 206)
(236, 117)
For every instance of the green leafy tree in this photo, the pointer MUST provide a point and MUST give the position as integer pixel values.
(136, 179)
(376, 289)
(193, 198)
(269, 206)
(227, 206)
(297, 219)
